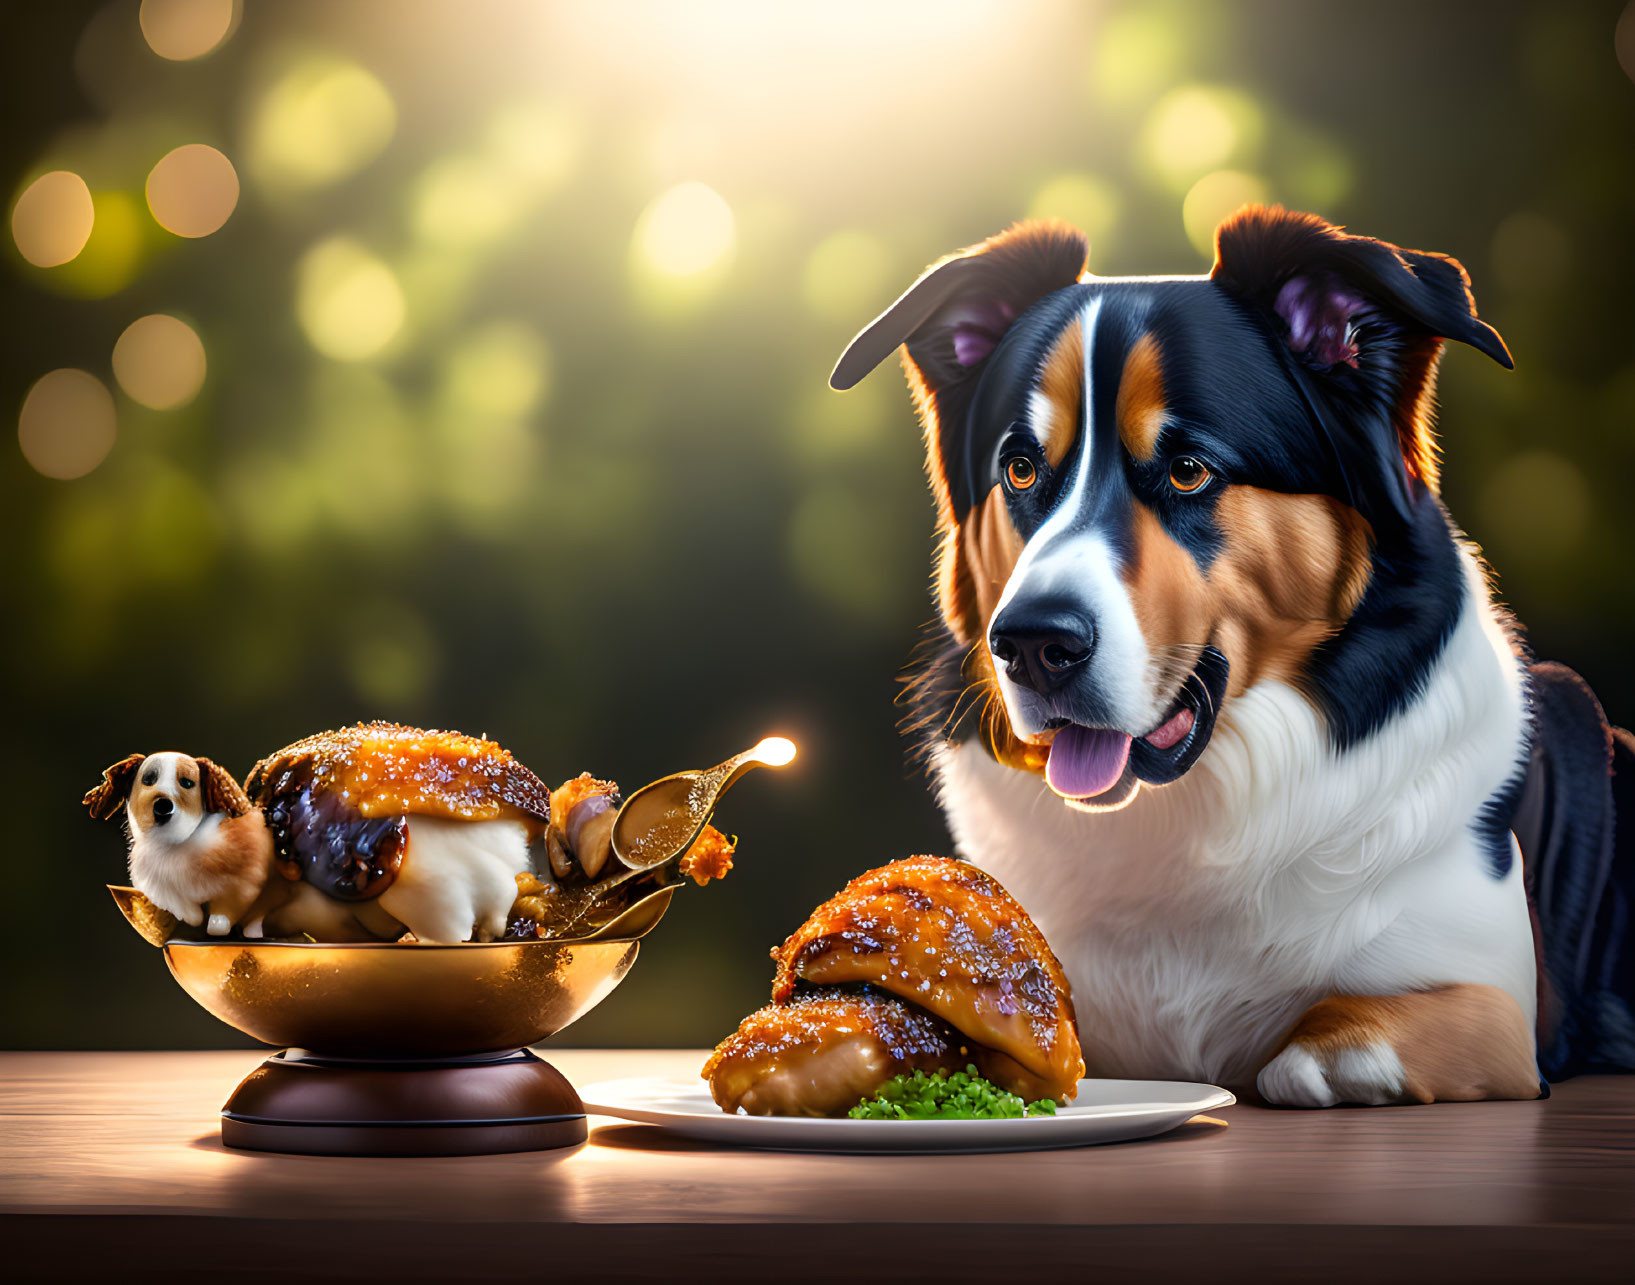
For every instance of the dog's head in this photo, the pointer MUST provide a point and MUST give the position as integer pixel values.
(1153, 493)
(165, 795)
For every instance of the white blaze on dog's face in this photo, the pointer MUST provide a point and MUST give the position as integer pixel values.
(1156, 492)
(167, 797)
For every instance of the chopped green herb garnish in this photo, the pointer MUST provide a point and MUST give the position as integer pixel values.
(964, 1095)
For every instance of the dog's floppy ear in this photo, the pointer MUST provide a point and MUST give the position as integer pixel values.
(948, 323)
(105, 801)
(220, 791)
(959, 309)
(1345, 303)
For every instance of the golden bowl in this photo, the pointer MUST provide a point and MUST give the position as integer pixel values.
(392, 1000)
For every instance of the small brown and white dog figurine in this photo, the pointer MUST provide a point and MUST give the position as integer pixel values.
(198, 848)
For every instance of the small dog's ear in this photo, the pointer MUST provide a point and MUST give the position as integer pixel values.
(105, 801)
(220, 791)
(1318, 279)
(960, 308)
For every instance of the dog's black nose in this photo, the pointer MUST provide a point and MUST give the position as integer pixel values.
(162, 808)
(1041, 646)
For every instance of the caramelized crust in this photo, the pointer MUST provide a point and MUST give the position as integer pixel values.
(824, 1051)
(385, 769)
(945, 935)
(576, 790)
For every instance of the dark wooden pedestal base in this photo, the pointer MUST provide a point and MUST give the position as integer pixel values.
(312, 1104)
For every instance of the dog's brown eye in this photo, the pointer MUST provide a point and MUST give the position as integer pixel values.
(1020, 473)
(186, 784)
(148, 778)
(1187, 474)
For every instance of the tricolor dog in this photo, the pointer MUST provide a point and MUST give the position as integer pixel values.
(1221, 693)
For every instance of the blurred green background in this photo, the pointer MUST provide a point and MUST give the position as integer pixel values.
(464, 364)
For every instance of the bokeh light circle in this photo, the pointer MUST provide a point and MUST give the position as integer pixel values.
(1087, 201)
(686, 230)
(113, 256)
(504, 369)
(53, 218)
(1211, 199)
(67, 424)
(193, 190)
(180, 30)
(159, 361)
(848, 277)
(349, 303)
(324, 119)
(1196, 129)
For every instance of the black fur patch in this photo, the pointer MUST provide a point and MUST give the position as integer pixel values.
(1576, 828)
(1379, 663)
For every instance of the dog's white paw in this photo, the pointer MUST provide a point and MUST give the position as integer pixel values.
(1302, 1076)
(219, 926)
(255, 929)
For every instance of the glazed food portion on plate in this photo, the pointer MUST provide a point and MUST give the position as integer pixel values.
(925, 967)
(381, 832)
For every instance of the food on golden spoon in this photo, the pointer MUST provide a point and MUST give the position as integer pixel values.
(385, 832)
(923, 965)
(547, 907)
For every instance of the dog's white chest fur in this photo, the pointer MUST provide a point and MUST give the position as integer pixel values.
(1197, 924)
(170, 873)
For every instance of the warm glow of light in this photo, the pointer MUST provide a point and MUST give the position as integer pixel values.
(1211, 199)
(52, 219)
(183, 29)
(325, 119)
(159, 362)
(348, 301)
(113, 255)
(774, 751)
(193, 190)
(67, 424)
(538, 142)
(684, 231)
(848, 277)
(1087, 201)
(1197, 129)
(1136, 52)
(502, 370)
(463, 201)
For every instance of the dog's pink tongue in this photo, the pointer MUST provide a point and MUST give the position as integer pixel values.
(1086, 761)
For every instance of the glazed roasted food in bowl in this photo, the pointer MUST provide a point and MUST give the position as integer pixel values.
(387, 891)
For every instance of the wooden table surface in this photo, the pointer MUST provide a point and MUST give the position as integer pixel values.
(111, 1166)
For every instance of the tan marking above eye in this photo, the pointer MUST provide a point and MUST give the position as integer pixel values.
(1060, 383)
(1140, 408)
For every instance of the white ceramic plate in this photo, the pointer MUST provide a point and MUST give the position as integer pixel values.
(1103, 1111)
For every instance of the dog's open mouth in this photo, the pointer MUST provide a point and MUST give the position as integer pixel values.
(1100, 768)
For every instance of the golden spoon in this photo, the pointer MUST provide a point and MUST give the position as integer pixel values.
(659, 822)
